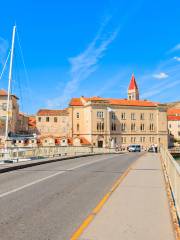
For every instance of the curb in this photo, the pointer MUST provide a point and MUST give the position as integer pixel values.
(48, 160)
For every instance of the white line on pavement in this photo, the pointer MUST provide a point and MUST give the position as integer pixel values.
(51, 176)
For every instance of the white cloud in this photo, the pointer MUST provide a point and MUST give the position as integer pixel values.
(177, 59)
(84, 64)
(157, 90)
(163, 87)
(175, 48)
(161, 75)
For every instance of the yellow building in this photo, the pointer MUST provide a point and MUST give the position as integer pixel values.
(108, 122)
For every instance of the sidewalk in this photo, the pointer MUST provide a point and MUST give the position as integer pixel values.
(138, 209)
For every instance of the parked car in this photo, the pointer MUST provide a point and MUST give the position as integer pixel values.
(134, 148)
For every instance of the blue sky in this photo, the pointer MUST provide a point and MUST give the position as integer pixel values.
(74, 48)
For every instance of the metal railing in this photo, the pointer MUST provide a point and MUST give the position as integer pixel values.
(20, 154)
(173, 172)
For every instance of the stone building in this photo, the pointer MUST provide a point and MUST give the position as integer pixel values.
(174, 126)
(108, 122)
(13, 113)
(53, 122)
(23, 123)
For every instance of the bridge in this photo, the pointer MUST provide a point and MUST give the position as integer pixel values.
(89, 194)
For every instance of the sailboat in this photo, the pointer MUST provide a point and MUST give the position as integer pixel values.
(6, 152)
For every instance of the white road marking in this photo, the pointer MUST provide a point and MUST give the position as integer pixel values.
(50, 176)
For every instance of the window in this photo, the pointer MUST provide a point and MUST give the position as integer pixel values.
(133, 126)
(142, 116)
(123, 127)
(4, 106)
(113, 127)
(123, 116)
(142, 139)
(77, 114)
(151, 116)
(113, 116)
(47, 119)
(151, 139)
(132, 116)
(55, 119)
(78, 127)
(123, 139)
(100, 114)
(151, 127)
(142, 127)
(39, 119)
(100, 126)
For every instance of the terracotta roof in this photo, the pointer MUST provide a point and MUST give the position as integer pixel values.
(125, 102)
(46, 136)
(4, 93)
(133, 84)
(173, 111)
(49, 112)
(112, 101)
(84, 141)
(173, 118)
(76, 102)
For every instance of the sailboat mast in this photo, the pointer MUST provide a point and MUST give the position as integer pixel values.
(9, 85)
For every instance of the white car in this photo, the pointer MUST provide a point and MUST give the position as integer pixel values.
(134, 148)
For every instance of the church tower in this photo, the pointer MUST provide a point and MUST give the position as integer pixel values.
(133, 92)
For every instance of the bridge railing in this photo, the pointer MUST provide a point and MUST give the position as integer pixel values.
(173, 172)
(19, 154)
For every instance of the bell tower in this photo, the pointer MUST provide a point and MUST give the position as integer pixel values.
(133, 92)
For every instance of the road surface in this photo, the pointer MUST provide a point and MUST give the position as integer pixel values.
(49, 202)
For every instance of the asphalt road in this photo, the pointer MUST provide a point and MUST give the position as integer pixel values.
(49, 202)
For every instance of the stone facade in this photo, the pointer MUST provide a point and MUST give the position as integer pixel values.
(23, 124)
(13, 113)
(106, 122)
(174, 126)
(53, 122)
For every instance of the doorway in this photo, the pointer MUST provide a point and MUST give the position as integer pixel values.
(100, 144)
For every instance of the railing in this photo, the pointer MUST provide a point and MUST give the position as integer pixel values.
(173, 172)
(174, 150)
(19, 154)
